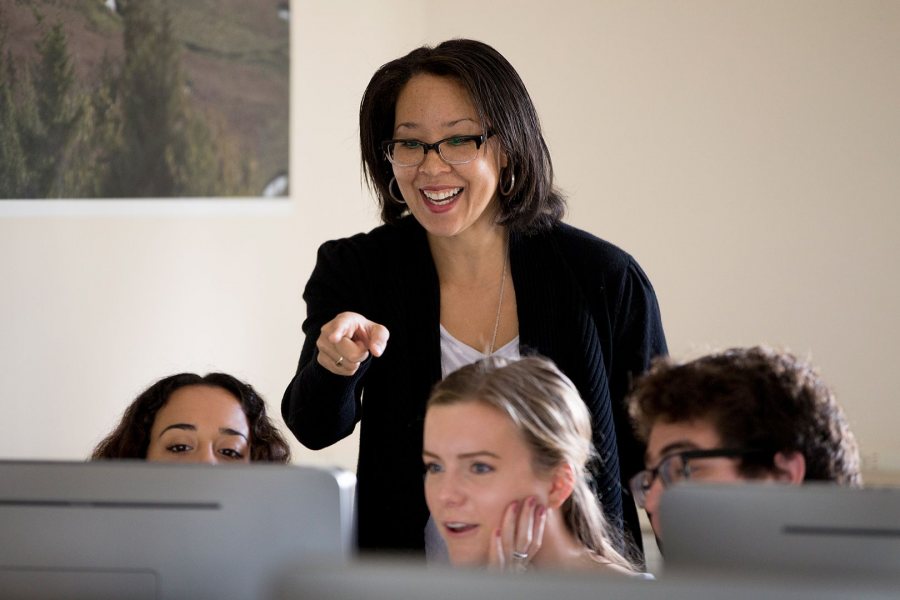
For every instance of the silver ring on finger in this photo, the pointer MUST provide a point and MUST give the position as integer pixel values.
(519, 555)
(339, 361)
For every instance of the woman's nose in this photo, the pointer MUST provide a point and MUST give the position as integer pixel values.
(450, 491)
(433, 163)
(206, 455)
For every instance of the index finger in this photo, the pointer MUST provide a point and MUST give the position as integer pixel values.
(525, 525)
(496, 559)
(344, 325)
(371, 335)
(540, 520)
(508, 527)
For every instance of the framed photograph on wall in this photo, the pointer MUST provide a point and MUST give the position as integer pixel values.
(167, 100)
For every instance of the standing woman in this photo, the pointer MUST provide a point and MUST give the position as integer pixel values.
(472, 260)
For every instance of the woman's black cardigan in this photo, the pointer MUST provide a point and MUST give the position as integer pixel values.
(581, 301)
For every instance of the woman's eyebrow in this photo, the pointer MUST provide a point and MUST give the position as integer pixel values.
(465, 454)
(229, 431)
(411, 125)
(191, 427)
(458, 121)
(185, 426)
(478, 453)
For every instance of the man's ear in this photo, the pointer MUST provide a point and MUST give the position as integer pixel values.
(790, 467)
(561, 485)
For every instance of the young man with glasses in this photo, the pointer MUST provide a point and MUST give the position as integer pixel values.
(743, 414)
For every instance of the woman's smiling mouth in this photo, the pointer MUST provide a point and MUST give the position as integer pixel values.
(441, 197)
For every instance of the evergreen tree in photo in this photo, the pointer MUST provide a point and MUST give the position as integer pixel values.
(100, 136)
(13, 170)
(47, 133)
(152, 106)
(135, 133)
(166, 149)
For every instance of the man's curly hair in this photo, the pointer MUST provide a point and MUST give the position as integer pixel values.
(755, 398)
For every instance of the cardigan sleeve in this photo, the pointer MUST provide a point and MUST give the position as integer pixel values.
(320, 407)
(637, 338)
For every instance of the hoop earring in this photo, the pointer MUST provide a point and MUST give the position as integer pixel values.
(391, 183)
(506, 190)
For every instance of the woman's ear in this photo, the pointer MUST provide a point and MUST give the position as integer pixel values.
(502, 156)
(561, 485)
(790, 467)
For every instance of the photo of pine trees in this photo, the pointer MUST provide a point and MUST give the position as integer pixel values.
(143, 98)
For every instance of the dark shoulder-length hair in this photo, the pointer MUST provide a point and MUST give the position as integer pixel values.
(504, 107)
(131, 437)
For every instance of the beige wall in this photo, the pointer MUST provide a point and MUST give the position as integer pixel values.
(745, 152)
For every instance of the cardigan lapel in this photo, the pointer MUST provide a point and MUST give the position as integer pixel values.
(554, 315)
(418, 298)
(555, 320)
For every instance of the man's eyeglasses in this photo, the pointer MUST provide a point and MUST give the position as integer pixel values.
(676, 467)
(456, 150)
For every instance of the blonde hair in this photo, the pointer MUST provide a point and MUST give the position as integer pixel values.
(547, 410)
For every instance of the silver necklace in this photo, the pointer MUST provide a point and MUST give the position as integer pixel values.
(500, 303)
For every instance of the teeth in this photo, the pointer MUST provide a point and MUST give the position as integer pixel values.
(442, 197)
(456, 526)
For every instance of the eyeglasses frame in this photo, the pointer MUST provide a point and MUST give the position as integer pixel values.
(686, 456)
(479, 140)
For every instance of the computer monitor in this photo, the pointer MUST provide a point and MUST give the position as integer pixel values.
(821, 530)
(404, 581)
(133, 529)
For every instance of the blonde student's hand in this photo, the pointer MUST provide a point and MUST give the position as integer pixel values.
(347, 340)
(519, 536)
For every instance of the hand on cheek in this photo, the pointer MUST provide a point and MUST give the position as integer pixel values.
(519, 537)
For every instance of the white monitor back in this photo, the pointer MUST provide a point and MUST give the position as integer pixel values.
(819, 530)
(131, 529)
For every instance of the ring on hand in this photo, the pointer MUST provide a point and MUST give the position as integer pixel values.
(339, 361)
(519, 555)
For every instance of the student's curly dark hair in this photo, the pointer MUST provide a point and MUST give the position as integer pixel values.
(756, 398)
(131, 437)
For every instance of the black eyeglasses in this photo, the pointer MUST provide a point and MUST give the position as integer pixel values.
(455, 150)
(676, 467)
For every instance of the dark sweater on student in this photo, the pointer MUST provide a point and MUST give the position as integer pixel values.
(581, 302)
